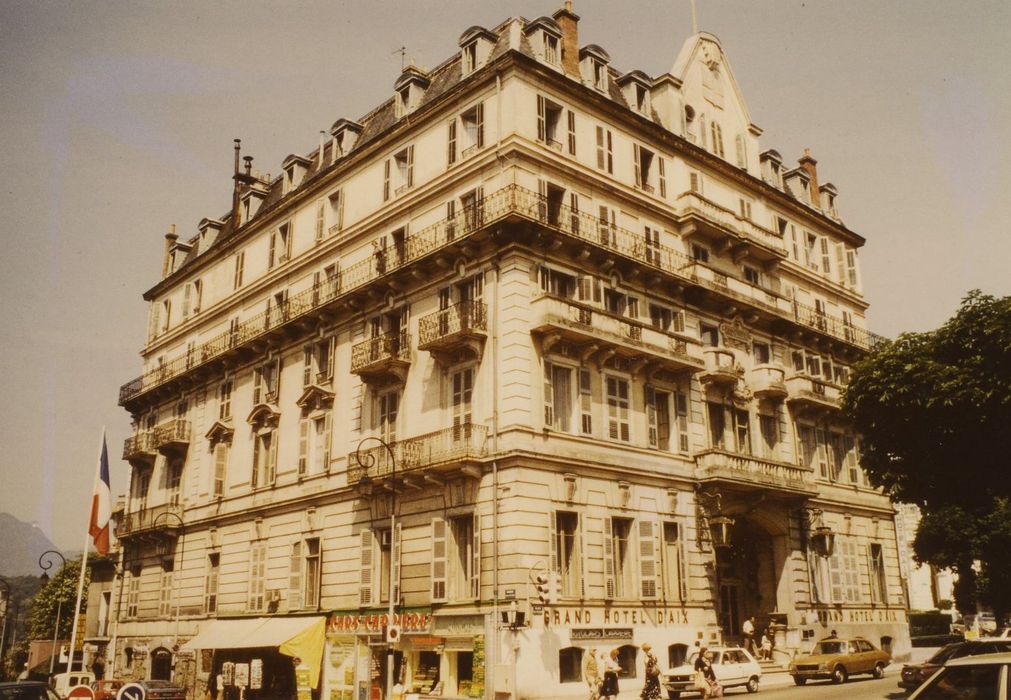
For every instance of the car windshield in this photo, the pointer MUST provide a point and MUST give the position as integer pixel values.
(24, 692)
(829, 648)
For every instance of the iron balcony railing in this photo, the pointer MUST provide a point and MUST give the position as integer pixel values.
(391, 346)
(465, 441)
(510, 201)
(166, 516)
(141, 443)
(722, 464)
(459, 318)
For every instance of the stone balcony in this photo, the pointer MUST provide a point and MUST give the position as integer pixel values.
(768, 382)
(430, 458)
(456, 332)
(595, 333)
(382, 360)
(721, 367)
(139, 449)
(172, 438)
(739, 472)
(155, 522)
(809, 393)
(727, 230)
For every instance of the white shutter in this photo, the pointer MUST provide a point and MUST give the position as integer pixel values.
(553, 541)
(647, 559)
(395, 559)
(662, 176)
(549, 397)
(410, 166)
(272, 459)
(475, 569)
(328, 438)
(451, 146)
(220, 465)
(638, 165)
(583, 567)
(439, 558)
(608, 559)
(187, 291)
(303, 446)
(479, 118)
(681, 410)
(366, 561)
(651, 421)
(542, 128)
(600, 147)
(585, 402)
(295, 577)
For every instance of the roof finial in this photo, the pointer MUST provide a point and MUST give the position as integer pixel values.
(403, 57)
(695, 21)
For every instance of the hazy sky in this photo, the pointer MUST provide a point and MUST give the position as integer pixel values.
(117, 119)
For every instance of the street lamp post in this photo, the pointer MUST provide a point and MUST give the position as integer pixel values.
(46, 562)
(367, 460)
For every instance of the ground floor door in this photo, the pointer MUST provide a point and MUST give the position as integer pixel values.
(730, 608)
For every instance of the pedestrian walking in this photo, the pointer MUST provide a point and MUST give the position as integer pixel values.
(705, 677)
(651, 688)
(609, 688)
(748, 628)
(591, 674)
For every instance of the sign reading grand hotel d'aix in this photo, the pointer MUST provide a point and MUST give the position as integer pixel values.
(655, 617)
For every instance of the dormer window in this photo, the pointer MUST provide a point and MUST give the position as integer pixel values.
(404, 100)
(635, 87)
(251, 201)
(409, 88)
(295, 168)
(593, 62)
(470, 57)
(551, 49)
(772, 168)
(828, 194)
(345, 134)
(641, 99)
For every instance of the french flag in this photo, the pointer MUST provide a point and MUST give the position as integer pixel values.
(101, 504)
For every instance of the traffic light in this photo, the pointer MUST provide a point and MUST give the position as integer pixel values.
(542, 583)
(554, 586)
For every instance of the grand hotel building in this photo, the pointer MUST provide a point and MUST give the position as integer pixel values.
(599, 328)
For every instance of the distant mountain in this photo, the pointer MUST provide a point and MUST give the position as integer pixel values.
(21, 545)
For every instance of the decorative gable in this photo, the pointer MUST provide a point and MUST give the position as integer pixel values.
(221, 431)
(315, 398)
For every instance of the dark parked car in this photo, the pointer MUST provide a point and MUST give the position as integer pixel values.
(162, 690)
(27, 690)
(969, 678)
(913, 675)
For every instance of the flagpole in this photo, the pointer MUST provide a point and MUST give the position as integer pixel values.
(84, 563)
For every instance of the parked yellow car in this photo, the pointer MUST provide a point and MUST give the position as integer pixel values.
(838, 659)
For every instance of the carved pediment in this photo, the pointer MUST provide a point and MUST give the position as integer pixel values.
(264, 415)
(221, 431)
(315, 397)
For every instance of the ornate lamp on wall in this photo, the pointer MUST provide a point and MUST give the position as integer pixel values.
(711, 519)
(821, 537)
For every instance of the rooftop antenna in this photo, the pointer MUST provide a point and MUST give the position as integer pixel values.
(695, 21)
(403, 57)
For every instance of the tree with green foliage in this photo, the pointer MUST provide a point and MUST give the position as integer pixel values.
(933, 410)
(22, 589)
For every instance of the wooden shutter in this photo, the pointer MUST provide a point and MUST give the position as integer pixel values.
(439, 559)
(479, 118)
(638, 165)
(840, 263)
(304, 426)
(572, 133)
(553, 541)
(340, 209)
(647, 559)
(475, 567)
(600, 148)
(549, 397)
(254, 479)
(585, 402)
(366, 561)
(410, 166)
(320, 219)
(220, 465)
(871, 578)
(295, 577)
(583, 566)
(651, 421)
(542, 127)
(742, 156)
(272, 458)
(307, 356)
(610, 153)
(395, 557)
(608, 559)
(273, 249)
(681, 410)
(451, 146)
(542, 200)
(153, 326)
(328, 437)
(386, 179)
(662, 176)
(187, 291)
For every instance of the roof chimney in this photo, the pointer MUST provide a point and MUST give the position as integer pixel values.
(235, 181)
(170, 240)
(811, 166)
(568, 22)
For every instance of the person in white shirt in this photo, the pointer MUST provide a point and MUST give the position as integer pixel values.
(748, 628)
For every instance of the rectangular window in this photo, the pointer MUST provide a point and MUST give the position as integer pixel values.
(211, 583)
(672, 565)
(133, 593)
(264, 458)
(470, 57)
(751, 275)
(311, 571)
(745, 208)
(257, 576)
(810, 251)
(550, 49)
(607, 227)
(617, 409)
(770, 435)
(472, 122)
(700, 253)
(572, 133)
(240, 262)
(165, 599)
(549, 117)
(844, 572)
(717, 424)
(336, 211)
(653, 249)
(643, 159)
(826, 257)
(622, 559)
(762, 353)
(695, 182)
(567, 550)
(585, 402)
(462, 384)
(557, 397)
(876, 569)
(605, 152)
(599, 75)
(225, 400)
(280, 246)
(710, 335)
(742, 431)
(464, 557)
(658, 418)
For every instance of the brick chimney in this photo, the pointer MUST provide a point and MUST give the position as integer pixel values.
(568, 22)
(811, 166)
(170, 240)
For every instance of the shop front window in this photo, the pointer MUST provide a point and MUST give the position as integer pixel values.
(570, 665)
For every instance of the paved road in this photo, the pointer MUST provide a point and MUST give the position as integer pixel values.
(859, 688)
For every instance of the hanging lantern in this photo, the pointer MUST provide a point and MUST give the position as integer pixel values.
(823, 541)
(719, 530)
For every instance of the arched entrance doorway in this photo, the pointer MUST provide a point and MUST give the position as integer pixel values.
(745, 577)
(161, 664)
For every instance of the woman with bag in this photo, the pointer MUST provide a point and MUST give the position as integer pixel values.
(705, 677)
(609, 688)
(651, 689)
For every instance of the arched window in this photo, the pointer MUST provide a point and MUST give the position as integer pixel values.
(570, 665)
(161, 665)
(626, 659)
(677, 655)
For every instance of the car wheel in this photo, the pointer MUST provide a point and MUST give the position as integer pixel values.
(799, 681)
(879, 671)
(673, 694)
(839, 675)
(752, 685)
